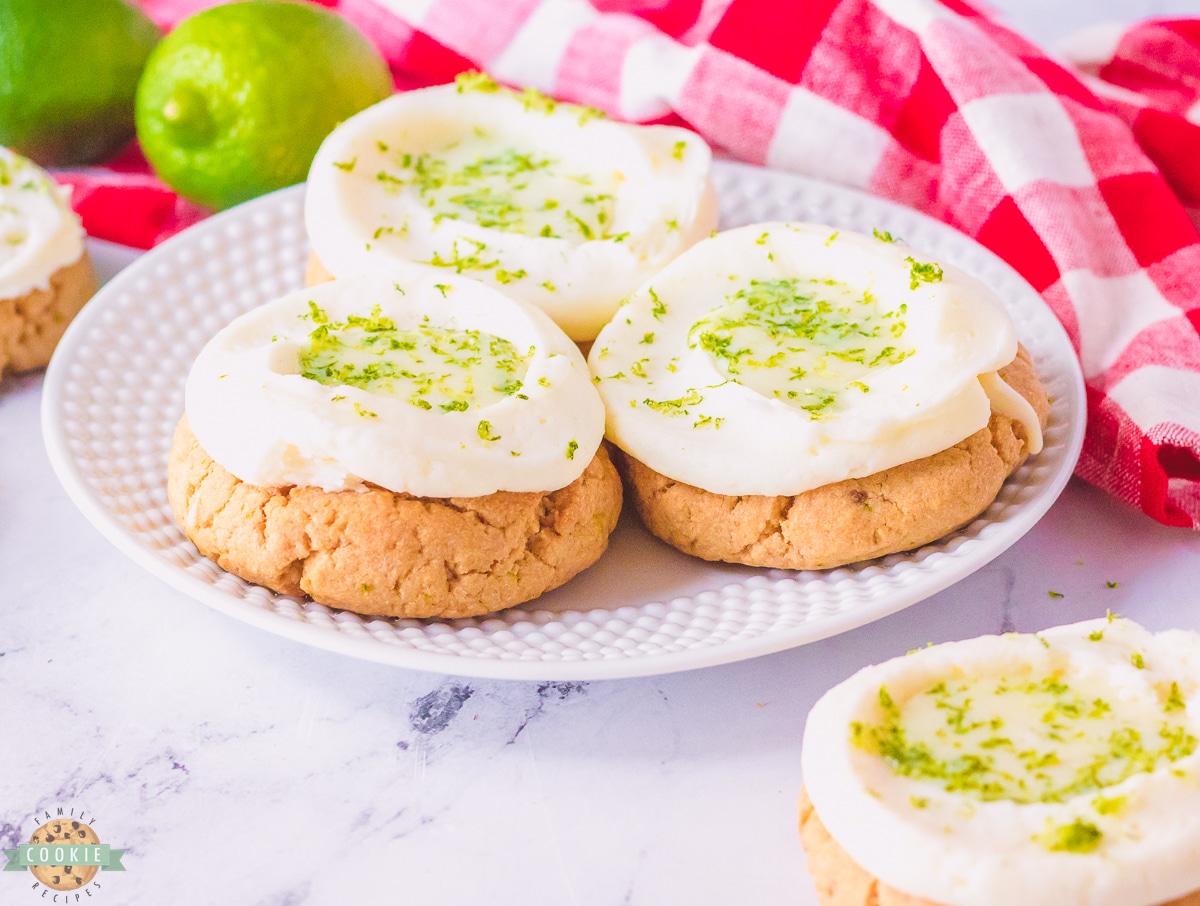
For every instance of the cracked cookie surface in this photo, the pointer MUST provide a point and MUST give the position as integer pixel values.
(381, 553)
(857, 519)
(31, 325)
(840, 881)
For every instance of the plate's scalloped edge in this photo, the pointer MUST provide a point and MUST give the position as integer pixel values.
(910, 578)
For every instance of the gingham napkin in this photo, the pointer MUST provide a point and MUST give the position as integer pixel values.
(1081, 179)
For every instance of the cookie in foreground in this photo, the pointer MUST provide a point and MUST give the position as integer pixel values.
(789, 395)
(1018, 770)
(45, 273)
(415, 447)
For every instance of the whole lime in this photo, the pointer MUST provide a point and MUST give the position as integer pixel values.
(68, 73)
(235, 101)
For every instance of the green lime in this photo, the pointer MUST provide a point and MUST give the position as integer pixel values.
(68, 73)
(235, 101)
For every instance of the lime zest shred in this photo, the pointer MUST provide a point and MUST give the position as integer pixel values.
(537, 101)
(659, 309)
(923, 272)
(586, 114)
(676, 406)
(1175, 700)
(474, 80)
(1109, 805)
(1077, 837)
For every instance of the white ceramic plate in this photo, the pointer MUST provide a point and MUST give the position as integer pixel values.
(114, 392)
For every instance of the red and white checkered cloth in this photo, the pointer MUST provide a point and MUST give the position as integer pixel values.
(1083, 180)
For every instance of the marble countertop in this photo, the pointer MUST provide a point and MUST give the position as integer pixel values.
(231, 763)
(234, 765)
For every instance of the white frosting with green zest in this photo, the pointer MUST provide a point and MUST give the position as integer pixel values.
(1019, 770)
(552, 202)
(424, 383)
(776, 358)
(39, 233)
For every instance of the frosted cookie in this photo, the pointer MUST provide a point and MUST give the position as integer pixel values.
(790, 396)
(1017, 770)
(45, 273)
(418, 446)
(561, 207)
(64, 833)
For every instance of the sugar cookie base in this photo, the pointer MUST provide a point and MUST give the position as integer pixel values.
(377, 552)
(849, 521)
(840, 881)
(31, 325)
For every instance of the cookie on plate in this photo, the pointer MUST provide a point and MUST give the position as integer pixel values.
(552, 203)
(45, 273)
(375, 551)
(897, 509)
(792, 396)
(419, 446)
(1016, 770)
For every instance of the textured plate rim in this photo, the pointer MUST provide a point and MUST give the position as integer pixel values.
(1023, 516)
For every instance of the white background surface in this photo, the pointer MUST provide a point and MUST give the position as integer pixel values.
(1048, 21)
(239, 767)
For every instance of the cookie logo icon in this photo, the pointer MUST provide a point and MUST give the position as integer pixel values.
(64, 877)
(64, 854)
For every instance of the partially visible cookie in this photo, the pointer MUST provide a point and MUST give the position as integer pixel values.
(31, 325)
(985, 772)
(63, 832)
(45, 272)
(857, 519)
(315, 272)
(840, 881)
(378, 552)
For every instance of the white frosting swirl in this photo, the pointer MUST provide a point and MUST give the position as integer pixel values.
(39, 233)
(423, 383)
(561, 207)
